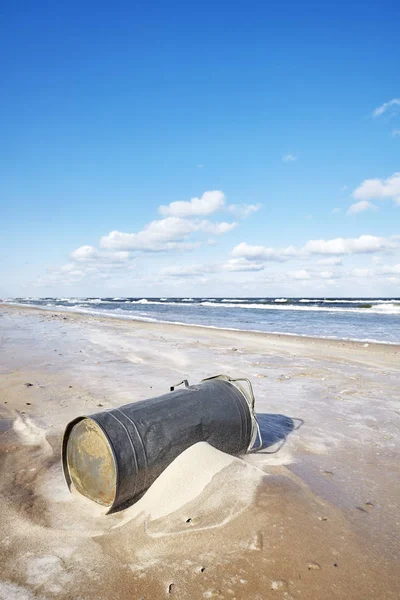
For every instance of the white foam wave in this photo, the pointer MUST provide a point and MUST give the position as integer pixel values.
(124, 315)
(388, 308)
(360, 301)
(378, 306)
(282, 300)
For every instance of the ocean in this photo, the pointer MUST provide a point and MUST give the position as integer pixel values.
(361, 319)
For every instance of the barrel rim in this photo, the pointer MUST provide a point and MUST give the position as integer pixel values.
(64, 460)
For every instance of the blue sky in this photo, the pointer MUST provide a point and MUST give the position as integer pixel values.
(290, 113)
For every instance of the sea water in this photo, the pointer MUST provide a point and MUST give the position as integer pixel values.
(364, 319)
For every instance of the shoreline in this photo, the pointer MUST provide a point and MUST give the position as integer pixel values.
(289, 338)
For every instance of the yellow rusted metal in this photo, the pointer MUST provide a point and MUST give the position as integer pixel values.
(91, 462)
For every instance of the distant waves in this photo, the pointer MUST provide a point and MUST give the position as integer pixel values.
(366, 319)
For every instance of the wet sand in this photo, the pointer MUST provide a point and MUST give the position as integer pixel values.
(314, 515)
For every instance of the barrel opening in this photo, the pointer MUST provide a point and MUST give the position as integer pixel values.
(88, 461)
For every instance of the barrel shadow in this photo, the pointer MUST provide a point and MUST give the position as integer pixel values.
(275, 429)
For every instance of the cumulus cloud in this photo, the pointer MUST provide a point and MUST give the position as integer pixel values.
(259, 253)
(70, 271)
(242, 264)
(395, 269)
(392, 104)
(91, 254)
(364, 244)
(170, 233)
(379, 189)
(361, 207)
(334, 260)
(87, 262)
(243, 210)
(217, 228)
(327, 274)
(289, 157)
(207, 204)
(362, 273)
(161, 235)
(187, 271)
(300, 275)
(84, 253)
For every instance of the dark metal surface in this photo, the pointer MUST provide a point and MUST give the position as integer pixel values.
(113, 456)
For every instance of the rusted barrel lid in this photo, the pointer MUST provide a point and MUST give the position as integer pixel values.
(89, 462)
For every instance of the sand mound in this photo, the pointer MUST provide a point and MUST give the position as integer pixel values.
(203, 487)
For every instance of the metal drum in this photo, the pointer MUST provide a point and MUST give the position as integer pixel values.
(113, 456)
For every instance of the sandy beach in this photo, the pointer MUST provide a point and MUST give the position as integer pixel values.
(314, 515)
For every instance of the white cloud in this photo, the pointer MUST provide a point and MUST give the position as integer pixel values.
(186, 271)
(243, 210)
(88, 264)
(362, 273)
(396, 132)
(364, 244)
(161, 235)
(207, 204)
(379, 189)
(165, 234)
(334, 260)
(360, 207)
(84, 253)
(242, 264)
(70, 268)
(259, 253)
(327, 274)
(300, 275)
(391, 269)
(386, 106)
(377, 260)
(289, 158)
(217, 228)
(91, 254)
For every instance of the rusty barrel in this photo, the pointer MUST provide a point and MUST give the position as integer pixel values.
(113, 456)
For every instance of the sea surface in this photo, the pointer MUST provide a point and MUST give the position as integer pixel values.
(363, 319)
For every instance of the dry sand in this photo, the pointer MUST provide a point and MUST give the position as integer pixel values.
(315, 515)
